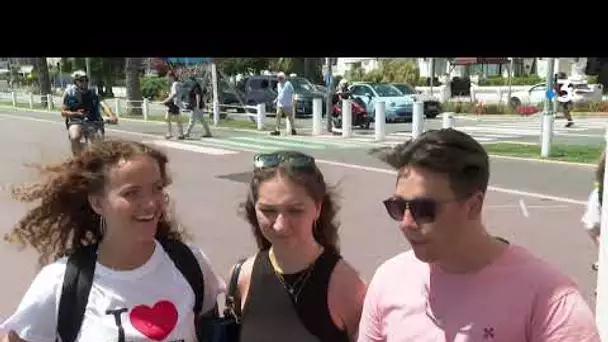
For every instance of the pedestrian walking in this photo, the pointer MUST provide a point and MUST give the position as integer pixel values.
(285, 104)
(173, 109)
(197, 97)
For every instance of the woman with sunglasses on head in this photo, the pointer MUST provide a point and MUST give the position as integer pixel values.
(101, 221)
(297, 287)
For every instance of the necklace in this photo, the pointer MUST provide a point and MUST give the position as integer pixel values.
(295, 289)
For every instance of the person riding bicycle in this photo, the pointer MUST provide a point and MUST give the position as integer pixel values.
(81, 106)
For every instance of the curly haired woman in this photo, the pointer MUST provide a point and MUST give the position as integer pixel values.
(111, 198)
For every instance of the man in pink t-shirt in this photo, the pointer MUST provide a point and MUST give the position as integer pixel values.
(458, 283)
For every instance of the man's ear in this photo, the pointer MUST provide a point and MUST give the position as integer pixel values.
(95, 203)
(476, 205)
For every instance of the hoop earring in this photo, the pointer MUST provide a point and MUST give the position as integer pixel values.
(102, 226)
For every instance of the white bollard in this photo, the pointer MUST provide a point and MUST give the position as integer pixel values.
(14, 98)
(117, 106)
(261, 115)
(448, 120)
(145, 108)
(601, 302)
(380, 121)
(547, 135)
(347, 119)
(216, 113)
(31, 100)
(418, 119)
(288, 127)
(317, 108)
(49, 101)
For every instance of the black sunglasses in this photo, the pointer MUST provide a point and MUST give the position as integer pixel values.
(83, 79)
(292, 159)
(423, 209)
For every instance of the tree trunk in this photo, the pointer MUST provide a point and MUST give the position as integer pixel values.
(44, 80)
(134, 97)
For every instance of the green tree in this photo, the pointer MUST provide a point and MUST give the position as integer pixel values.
(235, 66)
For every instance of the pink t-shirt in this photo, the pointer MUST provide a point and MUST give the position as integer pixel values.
(518, 298)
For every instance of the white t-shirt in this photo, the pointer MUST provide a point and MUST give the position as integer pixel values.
(156, 300)
(593, 214)
(175, 93)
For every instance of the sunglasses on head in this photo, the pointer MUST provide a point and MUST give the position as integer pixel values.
(423, 209)
(292, 159)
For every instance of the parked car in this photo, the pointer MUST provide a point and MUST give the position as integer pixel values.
(432, 106)
(305, 92)
(262, 89)
(536, 94)
(397, 106)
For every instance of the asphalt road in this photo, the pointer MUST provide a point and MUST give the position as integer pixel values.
(532, 204)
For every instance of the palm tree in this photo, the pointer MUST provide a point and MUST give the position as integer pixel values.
(134, 97)
(44, 80)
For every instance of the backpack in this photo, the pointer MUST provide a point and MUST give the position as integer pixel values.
(189, 90)
(78, 280)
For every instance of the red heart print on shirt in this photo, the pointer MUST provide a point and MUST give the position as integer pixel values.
(155, 322)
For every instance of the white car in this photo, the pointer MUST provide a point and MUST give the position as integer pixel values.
(582, 92)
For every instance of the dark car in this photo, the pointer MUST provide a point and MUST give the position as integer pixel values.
(263, 89)
(305, 92)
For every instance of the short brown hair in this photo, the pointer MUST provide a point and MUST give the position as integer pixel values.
(445, 151)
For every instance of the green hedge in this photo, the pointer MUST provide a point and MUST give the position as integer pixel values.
(154, 88)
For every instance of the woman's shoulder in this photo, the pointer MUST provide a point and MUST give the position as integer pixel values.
(346, 275)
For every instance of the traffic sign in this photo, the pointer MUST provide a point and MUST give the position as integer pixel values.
(551, 93)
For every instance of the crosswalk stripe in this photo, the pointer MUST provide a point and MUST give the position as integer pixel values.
(329, 141)
(192, 148)
(238, 145)
(280, 142)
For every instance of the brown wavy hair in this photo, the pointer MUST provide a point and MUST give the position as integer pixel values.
(63, 219)
(326, 227)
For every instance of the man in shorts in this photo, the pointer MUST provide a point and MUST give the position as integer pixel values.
(458, 282)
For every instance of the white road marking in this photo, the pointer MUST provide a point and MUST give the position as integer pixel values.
(192, 148)
(523, 208)
(346, 165)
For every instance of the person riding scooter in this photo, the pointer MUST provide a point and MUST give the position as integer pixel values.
(342, 91)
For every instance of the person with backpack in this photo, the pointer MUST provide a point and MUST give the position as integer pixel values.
(196, 103)
(119, 267)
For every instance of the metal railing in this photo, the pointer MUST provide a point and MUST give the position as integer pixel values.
(146, 108)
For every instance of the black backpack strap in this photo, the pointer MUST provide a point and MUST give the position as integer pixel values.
(233, 297)
(77, 282)
(188, 265)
